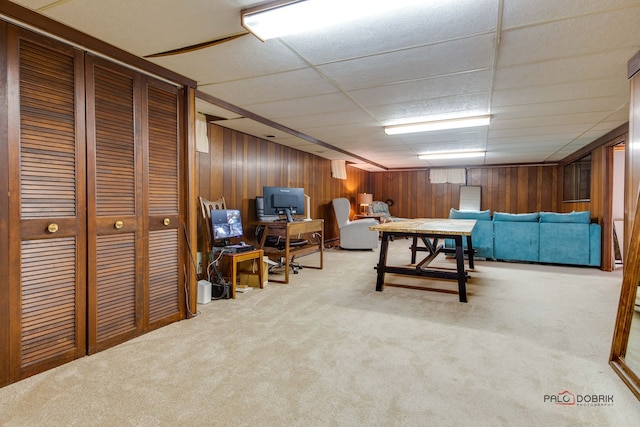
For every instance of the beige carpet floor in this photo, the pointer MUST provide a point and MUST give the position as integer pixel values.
(327, 350)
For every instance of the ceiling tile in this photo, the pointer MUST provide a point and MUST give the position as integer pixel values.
(329, 103)
(297, 84)
(435, 87)
(423, 23)
(326, 119)
(144, 27)
(560, 92)
(432, 109)
(584, 35)
(475, 53)
(525, 12)
(234, 61)
(603, 65)
(612, 103)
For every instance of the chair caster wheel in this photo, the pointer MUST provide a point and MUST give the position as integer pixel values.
(295, 272)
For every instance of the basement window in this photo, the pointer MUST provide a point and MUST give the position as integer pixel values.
(577, 181)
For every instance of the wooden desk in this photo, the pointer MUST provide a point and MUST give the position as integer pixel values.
(233, 259)
(429, 230)
(290, 230)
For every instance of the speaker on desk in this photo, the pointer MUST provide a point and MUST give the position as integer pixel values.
(260, 207)
(260, 211)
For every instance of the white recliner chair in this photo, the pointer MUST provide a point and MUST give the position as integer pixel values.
(354, 234)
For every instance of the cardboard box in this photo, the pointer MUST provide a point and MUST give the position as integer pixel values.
(248, 273)
(249, 279)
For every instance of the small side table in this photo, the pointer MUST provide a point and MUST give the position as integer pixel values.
(233, 260)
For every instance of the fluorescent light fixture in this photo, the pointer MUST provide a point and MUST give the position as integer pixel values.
(451, 155)
(283, 17)
(462, 122)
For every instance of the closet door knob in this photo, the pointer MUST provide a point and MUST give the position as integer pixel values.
(52, 228)
(118, 225)
(166, 221)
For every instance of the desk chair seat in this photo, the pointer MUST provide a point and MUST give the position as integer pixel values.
(279, 242)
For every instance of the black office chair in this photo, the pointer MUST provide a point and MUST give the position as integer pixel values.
(279, 243)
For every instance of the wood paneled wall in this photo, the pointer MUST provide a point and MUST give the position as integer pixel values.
(513, 189)
(239, 165)
(517, 189)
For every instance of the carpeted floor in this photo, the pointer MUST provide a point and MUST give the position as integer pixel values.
(327, 350)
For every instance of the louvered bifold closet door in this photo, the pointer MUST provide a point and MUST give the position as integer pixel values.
(47, 210)
(114, 165)
(165, 299)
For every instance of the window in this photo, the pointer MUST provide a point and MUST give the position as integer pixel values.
(577, 180)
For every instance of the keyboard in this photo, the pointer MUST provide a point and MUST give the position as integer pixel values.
(238, 248)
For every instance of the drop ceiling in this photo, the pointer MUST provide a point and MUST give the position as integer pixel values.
(552, 74)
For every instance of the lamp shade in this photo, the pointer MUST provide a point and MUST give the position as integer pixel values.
(365, 198)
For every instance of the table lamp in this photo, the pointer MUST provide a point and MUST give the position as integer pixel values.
(364, 200)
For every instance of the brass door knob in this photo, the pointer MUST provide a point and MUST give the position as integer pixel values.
(52, 228)
(166, 221)
(118, 225)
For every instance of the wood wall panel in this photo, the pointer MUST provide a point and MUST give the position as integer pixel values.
(504, 189)
(5, 318)
(237, 166)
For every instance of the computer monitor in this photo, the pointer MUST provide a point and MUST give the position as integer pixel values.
(286, 201)
(225, 223)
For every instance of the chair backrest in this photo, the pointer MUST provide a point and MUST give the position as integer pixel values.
(205, 208)
(379, 208)
(342, 209)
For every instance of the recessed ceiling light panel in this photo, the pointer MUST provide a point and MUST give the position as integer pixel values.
(283, 17)
(451, 155)
(458, 123)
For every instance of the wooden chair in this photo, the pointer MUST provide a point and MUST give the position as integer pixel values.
(205, 208)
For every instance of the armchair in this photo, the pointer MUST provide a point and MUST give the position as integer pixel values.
(381, 209)
(354, 234)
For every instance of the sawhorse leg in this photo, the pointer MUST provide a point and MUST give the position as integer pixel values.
(382, 263)
(462, 276)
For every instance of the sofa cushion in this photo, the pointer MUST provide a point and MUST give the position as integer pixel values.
(516, 240)
(526, 217)
(479, 215)
(582, 217)
(564, 243)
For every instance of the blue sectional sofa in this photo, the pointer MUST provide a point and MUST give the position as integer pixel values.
(482, 235)
(546, 237)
